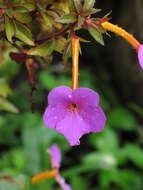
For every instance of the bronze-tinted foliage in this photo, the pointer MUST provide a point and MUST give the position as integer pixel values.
(31, 30)
(39, 28)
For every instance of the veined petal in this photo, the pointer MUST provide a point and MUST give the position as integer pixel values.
(55, 154)
(60, 95)
(73, 127)
(53, 115)
(85, 97)
(94, 117)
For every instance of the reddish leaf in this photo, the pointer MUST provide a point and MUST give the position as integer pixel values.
(18, 57)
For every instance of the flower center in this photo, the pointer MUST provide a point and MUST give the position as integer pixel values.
(73, 107)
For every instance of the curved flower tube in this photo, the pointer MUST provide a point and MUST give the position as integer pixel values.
(128, 37)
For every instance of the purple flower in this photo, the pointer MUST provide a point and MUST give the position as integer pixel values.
(55, 154)
(74, 113)
(140, 56)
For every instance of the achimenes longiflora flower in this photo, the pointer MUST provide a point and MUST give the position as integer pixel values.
(55, 154)
(74, 112)
(128, 37)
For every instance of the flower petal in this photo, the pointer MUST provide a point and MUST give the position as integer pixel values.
(85, 97)
(60, 95)
(62, 183)
(73, 127)
(53, 114)
(140, 56)
(94, 117)
(55, 154)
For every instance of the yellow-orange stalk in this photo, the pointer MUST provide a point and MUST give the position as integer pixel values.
(75, 58)
(44, 175)
(123, 33)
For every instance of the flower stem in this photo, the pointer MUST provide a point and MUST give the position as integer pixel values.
(75, 57)
(44, 175)
(121, 32)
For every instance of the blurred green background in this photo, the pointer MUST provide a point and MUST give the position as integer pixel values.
(110, 160)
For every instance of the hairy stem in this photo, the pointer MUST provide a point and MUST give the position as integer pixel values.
(123, 33)
(75, 57)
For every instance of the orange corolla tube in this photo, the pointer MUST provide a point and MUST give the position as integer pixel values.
(123, 33)
(44, 175)
(75, 64)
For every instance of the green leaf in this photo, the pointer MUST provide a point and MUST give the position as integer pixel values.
(80, 21)
(60, 44)
(9, 12)
(67, 53)
(24, 34)
(20, 9)
(5, 105)
(92, 11)
(44, 49)
(88, 4)
(47, 19)
(29, 6)
(67, 19)
(83, 40)
(71, 6)
(52, 14)
(78, 5)
(4, 89)
(96, 34)
(134, 153)
(22, 17)
(122, 118)
(9, 27)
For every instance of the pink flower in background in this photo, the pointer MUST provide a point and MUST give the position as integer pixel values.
(140, 56)
(74, 113)
(55, 154)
